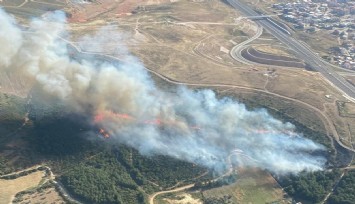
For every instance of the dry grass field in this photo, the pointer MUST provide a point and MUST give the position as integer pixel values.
(253, 186)
(275, 50)
(350, 109)
(49, 195)
(9, 188)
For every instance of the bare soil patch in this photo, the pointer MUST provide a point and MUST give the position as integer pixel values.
(183, 198)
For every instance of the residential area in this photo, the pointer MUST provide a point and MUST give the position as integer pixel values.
(335, 17)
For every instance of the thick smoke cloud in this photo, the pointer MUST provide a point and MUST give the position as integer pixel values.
(194, 126)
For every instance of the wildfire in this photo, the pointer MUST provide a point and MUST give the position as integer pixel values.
(153, 122)
(104, 133)
(110, 114)
(101, 116)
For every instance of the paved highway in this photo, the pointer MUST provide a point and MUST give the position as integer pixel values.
(312, 59)
(236, 51)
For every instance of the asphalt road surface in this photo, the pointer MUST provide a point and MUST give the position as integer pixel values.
(312, 59)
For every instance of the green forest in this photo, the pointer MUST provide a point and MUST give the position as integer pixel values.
(311, 187)
(345, 191)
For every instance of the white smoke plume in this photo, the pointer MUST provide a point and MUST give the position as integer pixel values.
(194, 126)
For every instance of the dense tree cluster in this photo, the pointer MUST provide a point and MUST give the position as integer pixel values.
(345, 191)
(102, 179)
(312, 187)
(105, 173)
(111, 176)
(165, 171)
(92, 184)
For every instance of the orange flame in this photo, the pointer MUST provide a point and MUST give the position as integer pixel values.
(110, 114)
(101, 116)
(153, 122)
(104, 133)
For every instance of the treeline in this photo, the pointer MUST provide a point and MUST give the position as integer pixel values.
(311, 187)
(164, 170)
(345, 191)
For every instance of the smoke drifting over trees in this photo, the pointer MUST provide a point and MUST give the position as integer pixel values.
(194, 126)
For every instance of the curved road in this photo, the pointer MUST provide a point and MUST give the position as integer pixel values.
(303, 52)
(152, 197)
(235, 52)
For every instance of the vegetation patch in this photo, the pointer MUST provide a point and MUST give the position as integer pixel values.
(346, 109)
(344, 192)
(310, 187)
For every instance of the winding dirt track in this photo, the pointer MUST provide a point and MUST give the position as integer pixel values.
(152, 197)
